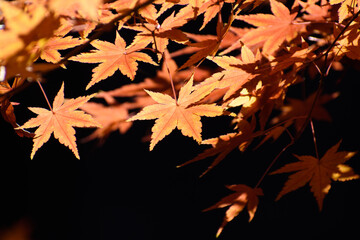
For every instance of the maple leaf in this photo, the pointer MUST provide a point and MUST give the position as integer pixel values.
(346, 8)
(159, 34)
(237, 201)
(348, 42)
(237, 72)
(20, 21)
(296, 57)
(229, 42)
(111, 118)
(113, 57)
(140, 99)
(225, 144)
(60, 120)
(49, 50)
(192, 9)
(181, 113)
(148, 11)
(22, 30)
(7, 107)
(159, 83)
(272, 29)
(74, 8)
(209, 47)
(273, 133)
(317, 172)
(298, 109)
(315, 12)
(211, 12)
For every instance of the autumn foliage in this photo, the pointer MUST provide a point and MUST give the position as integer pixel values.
(239, 63)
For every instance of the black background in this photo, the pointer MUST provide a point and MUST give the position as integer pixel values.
(120, 190)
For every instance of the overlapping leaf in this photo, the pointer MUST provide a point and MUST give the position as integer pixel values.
(209, 47)
(23, 29)
(346, 8)
(236, 72)
(251, 84)
(114, 57)
(297, 110)
(111, 118)
(224, 144)
(159, 34)
(50, 50)
(182, 113)
(272, 29)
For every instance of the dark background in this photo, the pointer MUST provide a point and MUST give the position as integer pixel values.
(120, 190)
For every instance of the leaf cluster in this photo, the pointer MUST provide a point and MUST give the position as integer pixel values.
(260, 50)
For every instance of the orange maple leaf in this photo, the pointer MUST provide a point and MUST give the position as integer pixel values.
(346, 8)
(113, 57)
(318, 172)
(159, 34)
(49, 51)
(236, 72)
(348, 43)
(182, 113)
(298, 110)
(237, 201)
(22, 30)
(209, 47)
(111, 118)
(60, 120)
(272, 30)
(7, 107)
(76, 8)
(224, 144)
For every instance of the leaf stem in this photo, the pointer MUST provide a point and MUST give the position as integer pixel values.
(273, 162)
(314, 138)
(170, 77)
(46, 98)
